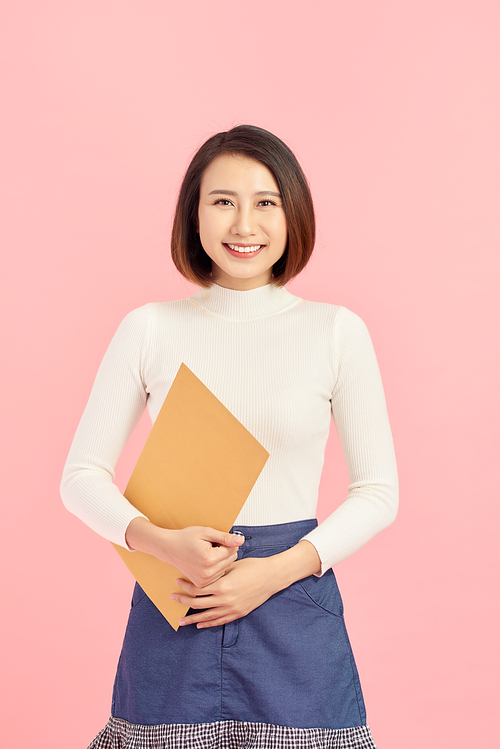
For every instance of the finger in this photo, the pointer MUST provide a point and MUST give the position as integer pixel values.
(217, 581)
(214, 569)
(221, 556)
(216, 622)
(204, 619)
(222, 566)
(188, 586)
(229, 540)
(203, 602)
(219, 621)
(202, 585)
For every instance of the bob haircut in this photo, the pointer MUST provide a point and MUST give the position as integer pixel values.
(255, 143)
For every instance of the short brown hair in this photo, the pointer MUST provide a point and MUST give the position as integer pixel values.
(255, 143)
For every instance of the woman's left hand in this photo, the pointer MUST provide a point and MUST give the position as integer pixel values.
(247, 584)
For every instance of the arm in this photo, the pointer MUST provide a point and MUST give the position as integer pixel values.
(360, 414)
(115, 405)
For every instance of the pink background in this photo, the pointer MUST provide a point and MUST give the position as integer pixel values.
(393, 109)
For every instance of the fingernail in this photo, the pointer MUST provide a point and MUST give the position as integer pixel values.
(182, 622)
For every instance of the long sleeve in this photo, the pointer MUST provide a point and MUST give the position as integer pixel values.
(282, 366)
(360, 415)
(117, 400)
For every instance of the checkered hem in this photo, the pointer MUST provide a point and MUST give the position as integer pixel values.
(229, 734)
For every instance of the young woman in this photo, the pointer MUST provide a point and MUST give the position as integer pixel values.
(262, 659)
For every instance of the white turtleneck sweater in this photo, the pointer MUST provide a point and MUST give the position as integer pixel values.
(283, 366)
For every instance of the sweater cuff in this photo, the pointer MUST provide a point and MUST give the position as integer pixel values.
(315, 539)
(124, 543)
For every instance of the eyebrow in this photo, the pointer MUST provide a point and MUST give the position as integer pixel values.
(232, 192)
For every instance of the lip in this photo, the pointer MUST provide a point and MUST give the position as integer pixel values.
(242, 255)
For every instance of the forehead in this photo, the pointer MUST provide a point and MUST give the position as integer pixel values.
(230, 172)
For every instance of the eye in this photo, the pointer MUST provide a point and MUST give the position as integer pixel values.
(222, 201)
(266, 202)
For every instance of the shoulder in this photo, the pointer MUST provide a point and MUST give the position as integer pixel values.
(143, 318)
(343, 333)
(339, 319)
(142, 331)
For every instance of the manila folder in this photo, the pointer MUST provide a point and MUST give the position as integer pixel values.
(197, 467)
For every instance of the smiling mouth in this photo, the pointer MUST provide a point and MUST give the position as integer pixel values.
(246, 250)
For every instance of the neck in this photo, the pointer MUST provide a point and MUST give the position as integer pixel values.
(242, 284)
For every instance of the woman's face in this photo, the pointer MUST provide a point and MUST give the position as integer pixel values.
(242, 223)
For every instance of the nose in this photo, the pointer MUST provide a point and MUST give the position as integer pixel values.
(244, 223)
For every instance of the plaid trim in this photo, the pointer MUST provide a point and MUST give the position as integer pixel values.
(230, 734)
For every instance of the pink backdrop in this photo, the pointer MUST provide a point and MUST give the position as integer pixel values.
(393, 109)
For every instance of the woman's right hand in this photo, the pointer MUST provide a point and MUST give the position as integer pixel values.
(202, 554)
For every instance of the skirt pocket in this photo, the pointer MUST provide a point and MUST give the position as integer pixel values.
(324, 592)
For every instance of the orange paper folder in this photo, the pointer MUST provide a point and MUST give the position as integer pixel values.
(197, 467)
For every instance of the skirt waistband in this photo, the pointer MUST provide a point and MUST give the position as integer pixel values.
(257, 536)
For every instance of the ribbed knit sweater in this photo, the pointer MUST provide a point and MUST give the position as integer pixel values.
(283, 366)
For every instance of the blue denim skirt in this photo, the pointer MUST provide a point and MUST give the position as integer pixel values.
(284, 675)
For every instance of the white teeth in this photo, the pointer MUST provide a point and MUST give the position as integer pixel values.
(252, 248)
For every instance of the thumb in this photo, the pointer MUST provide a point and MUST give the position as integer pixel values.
(224, 539)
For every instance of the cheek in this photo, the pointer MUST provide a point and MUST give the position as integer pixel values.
(278, 229)
(204, 227)
(211, 225)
